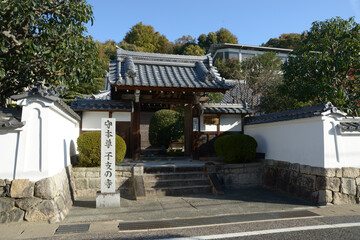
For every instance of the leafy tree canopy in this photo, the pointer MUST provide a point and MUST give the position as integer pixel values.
(107, 50)
(186, 46)
(215, 97)
(256, 77)
(193, 49)
(325, 65)
(44, 41)
(144, 38)
(225, 36)
(221, 36)
(286, 40)
(68, 94)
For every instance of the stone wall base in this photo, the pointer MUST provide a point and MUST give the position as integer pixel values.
(48, 199)
(240, 175)
(317, 185)
(87, 181)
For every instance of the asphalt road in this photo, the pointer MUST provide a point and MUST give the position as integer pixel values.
(300, 228)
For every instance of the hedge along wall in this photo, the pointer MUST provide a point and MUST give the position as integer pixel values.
(87, 181)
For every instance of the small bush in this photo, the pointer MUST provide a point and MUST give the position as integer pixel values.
(239, 148)
(166, 126)
(89, 147)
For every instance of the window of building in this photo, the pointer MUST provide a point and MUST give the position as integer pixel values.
(220, 56)
(231, 55)
(283, 59)
(234, 55)
(247, 55)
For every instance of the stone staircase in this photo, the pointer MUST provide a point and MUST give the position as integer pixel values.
(175, 180)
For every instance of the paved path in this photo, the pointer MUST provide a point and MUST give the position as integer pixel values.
(241, 205)
(241, 201)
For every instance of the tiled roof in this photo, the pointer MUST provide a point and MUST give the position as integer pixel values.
(95, 104)
(225, 108)
(40, 90)
(306, 112)
(240, 92)
(102, 95)
(164, 70)
(350, 126)
(10, 118)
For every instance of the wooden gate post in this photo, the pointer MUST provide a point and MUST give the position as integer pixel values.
(136, 132)
(188, 128)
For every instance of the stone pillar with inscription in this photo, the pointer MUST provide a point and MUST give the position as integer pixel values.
(108, 197)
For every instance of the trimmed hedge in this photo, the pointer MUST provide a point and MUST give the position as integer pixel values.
(89, 147)
(166, 126)
(239, 148)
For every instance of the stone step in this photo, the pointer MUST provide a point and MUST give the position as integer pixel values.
(176, 175)
(177, 191)
(173, 168)
(176, 182)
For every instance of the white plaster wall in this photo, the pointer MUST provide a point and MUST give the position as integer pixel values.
(62, 132)
(8, 146)
(122, 116)
(296, 141)
(230, 122)
(207, 127)
(45, 140)
(91, 121)
(341, 150)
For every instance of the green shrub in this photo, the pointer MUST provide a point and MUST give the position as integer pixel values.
(239, 148)
(166, 126)
(89, 147)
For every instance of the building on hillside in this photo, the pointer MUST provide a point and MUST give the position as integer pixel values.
(225, 51)
(138, 84)
(241, 92)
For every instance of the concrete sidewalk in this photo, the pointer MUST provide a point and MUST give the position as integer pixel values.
(235, 202)
(239, 201)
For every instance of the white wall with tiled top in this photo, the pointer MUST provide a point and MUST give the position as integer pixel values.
(44, 143)
(341, 149)
(314, 141)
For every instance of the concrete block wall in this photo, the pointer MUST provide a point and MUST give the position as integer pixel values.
(87, 181)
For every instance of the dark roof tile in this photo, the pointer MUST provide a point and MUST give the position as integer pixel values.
(226, 108)
(40, 90)
(306, 112)
(10, 118)
(96, 104)
(164, 70)
(350, 126)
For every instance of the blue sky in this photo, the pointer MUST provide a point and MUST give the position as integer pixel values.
(252, 21)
